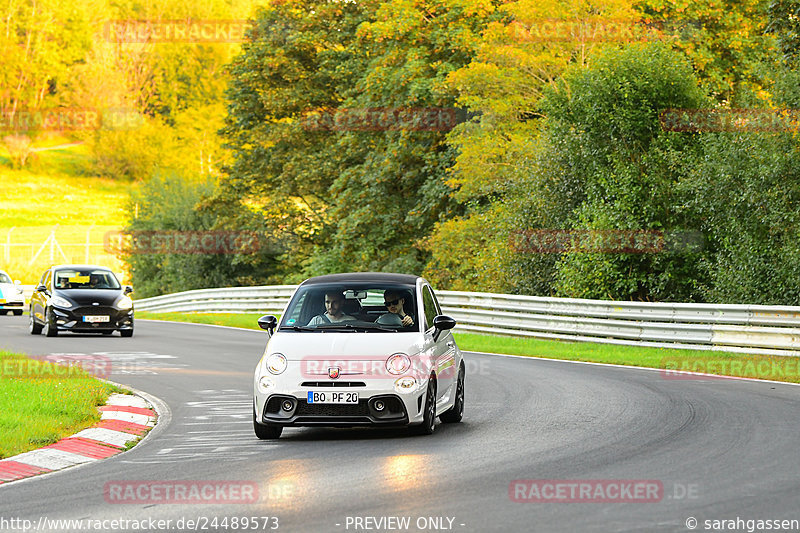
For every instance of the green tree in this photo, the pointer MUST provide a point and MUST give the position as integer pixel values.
(170, 204)
(328, 119)
(606, 166)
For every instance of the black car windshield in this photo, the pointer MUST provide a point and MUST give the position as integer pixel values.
(85, 279)
(352, 307)
(4, 278)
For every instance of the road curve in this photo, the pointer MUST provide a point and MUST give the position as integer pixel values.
(718, 449)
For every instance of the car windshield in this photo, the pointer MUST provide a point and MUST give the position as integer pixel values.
(4, 278)
(354, 307)
(85, 279)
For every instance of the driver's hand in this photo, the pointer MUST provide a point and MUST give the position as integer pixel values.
(407, 320)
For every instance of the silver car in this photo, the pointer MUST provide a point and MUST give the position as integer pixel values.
(362, 349)
(11, 295)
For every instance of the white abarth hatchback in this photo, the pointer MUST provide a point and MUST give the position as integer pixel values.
(11, 295)
(361, 349)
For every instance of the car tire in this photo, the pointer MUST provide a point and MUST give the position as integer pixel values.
(429, 418)
(266, 431)
(49, 329)
(126, 332)
(456, 413)
(33, 327)
(18, 312)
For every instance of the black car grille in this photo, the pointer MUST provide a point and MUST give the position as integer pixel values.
(320, 409)
(342, 384)
(94, 310)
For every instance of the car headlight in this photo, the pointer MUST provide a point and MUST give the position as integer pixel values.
(276, 363)
(398, 364)
(124, 303)
(58, 301)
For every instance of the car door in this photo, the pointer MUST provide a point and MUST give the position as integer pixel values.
(441, 348)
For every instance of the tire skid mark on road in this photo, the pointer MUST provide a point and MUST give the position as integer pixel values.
(202, 438)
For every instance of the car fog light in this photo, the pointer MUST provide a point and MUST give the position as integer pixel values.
(379, 406)
(265, 384)
(405, 384)
(288, 405)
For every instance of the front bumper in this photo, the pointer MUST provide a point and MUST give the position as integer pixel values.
(73, 319)
(12, 305)
(397, 409)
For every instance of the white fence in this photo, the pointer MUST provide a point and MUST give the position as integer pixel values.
(769, 330)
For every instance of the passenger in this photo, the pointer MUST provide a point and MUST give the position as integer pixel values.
(334, 303)
(397, 315)
(96, 282)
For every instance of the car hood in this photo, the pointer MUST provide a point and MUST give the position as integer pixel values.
(309, 345)
(105, 297)
(9, 291)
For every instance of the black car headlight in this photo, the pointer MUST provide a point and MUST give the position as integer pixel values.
(58, 301)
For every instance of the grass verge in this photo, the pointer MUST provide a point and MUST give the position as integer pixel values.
(238, 320)
(57, 194)
(41, 402)
(701, 361)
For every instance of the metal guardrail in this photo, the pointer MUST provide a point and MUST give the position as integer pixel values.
(758, 329)
(270, 299)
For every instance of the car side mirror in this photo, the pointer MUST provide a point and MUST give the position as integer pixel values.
(41, 288)
(128, 289)
(268, 322)
(442, 323)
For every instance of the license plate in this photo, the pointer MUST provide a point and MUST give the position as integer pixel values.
(332, 397)
(97, 318)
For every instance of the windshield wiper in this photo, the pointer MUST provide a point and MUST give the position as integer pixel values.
(299, 328)
(355, 327)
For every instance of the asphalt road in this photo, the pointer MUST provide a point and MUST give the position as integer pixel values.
(716, 449)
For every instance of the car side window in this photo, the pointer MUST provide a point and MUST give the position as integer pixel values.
(430, 307)
(436, 301)
(46, 279)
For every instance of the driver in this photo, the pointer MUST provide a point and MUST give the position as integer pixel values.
(395, 315)
(334, 303)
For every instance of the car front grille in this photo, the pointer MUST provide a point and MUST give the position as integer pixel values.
(321, 409)
(94, 310)
(342, 384)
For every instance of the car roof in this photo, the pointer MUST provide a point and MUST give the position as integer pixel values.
(81, 267)
(378, 277)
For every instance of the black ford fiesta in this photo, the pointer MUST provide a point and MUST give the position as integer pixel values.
(81, 299)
